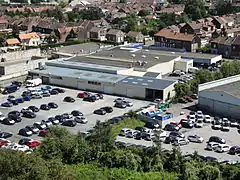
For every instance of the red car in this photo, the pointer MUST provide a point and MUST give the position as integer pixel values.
(4, 142)
(183, 120)
(83, 94)
(176, 124)
(29, 142)
(43, 133)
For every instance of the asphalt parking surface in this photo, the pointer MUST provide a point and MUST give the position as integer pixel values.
(86, 108)
(231, 137)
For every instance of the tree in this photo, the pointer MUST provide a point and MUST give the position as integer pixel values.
(181, 90)
(224, 7)
(189, 172)
(203, 76)
(143, 13)
(209, 173)
(195, 9)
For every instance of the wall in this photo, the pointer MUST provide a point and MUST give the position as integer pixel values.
(163, 68)
(167, 90)
(22, 66)
(183, 65)
(219, 82)
(219, 108)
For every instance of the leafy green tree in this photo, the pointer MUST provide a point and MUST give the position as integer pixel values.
(209, 172)
(195, 9)
(190, 172)
(204, 76)
(181, 89)
(50, 148)
(224, 7)
(143, 13)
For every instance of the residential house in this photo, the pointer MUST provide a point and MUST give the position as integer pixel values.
(29, 39)
(97, 33)
(115, 35)
(3, 24)
(81, 32)
(27, 23)
(12, 42)
(223, 21)
(223, 46)
(47, 26)
(134, 36)
(168, 39)
(236, 48)
(177, 9)
(191, 28)
(101, 23)
(62, 33)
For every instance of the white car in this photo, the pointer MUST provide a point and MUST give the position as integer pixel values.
(36, 96)
(2, 117)
(233, 123)
(180, 142)
(124, 131)
(226, 127)
(199, 113)
(216, 125)
(222, 148)
(199, 123)
(16, 147)
(162, 134)
(211, 146)
(81, 119)
(207, 119)
(118, 100)
(128, 103)
(195, 138)
(192, 118)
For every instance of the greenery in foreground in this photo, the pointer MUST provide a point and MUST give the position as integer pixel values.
(63, 156)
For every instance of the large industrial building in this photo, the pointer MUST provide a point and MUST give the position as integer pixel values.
(221, 97)
(124, 71)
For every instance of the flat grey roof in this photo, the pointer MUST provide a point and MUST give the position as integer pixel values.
(151, 74)
(81, 74)
(84, 66)
(135, 54)
(230, 88)
(84, 48)
(147, 82)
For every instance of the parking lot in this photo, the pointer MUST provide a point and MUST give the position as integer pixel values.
(86, 108)
(205, 132)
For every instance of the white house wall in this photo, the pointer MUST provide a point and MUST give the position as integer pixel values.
(167, 90)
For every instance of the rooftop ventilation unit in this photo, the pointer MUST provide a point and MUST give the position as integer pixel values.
(156, 57)
(133, 55)
(143, 56)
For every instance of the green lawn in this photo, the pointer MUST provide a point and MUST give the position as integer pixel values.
(126, 123)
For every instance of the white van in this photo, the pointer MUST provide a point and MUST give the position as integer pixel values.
(33, 82)
(192, 69)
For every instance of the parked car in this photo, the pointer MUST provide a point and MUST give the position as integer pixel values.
(67, 116)
(29, 142)
(53, 105)
(5, 135)
(40, 125)
(234, 150)
(27, 98)
(132, 133)
(120, 104)
(124, 131)
(99, 95)
(187, 124)
(47, 123)
(222, 148)
(141, 129)
(171, 127)
(216, 125)
(217, 140)
(46, 94)
(195, 138)
(176, 123)
(59, 90)
(70, 123)
(207, 119)
(53, 120)
(89, 99)
(53, 92)
(176, 134)
(108, 109)
(36, 96)
(34, 129)
(128, 103)
(16, 113)
(8, 121)
(45, 107)
(83, 94)
(225, 126)
(33, 108)
(199, 123)
(4, 142)
(20, 100)
(60, 118)
(100, 111)
(152, 125)
(76, 113)
(211, 146)
(43, 133)
(15, 117)
(7, 104)
(29, 114)
(118, 100)
(69, 99)
(81, 119)
(25, 132)
(180, 142)
(233, 123)
(2, 117)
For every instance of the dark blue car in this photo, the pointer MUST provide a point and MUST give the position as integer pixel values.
(27, 98)
(6, 104)
(20, 100)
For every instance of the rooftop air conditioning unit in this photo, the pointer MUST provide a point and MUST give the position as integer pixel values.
(133, 55)
(143, 56)
(156, 57)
